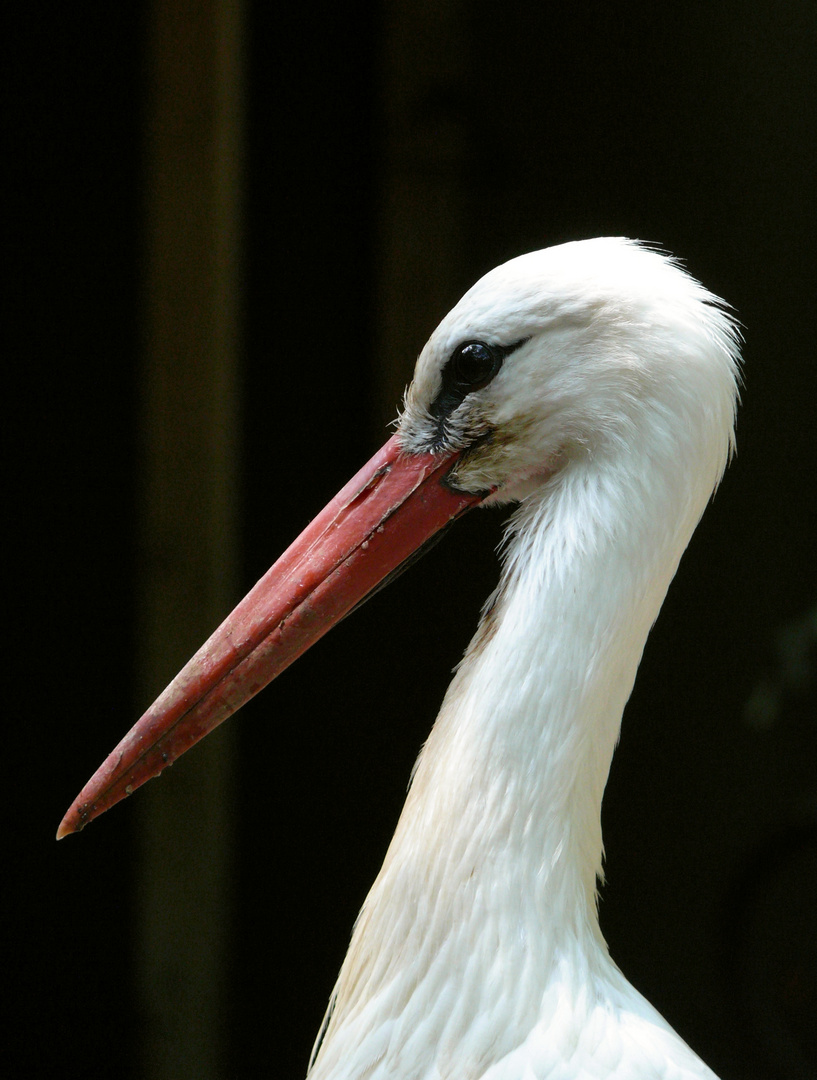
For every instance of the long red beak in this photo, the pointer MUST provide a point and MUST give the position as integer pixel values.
(385, 514)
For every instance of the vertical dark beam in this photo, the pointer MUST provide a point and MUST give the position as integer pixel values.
(188, 538)
(422, 250)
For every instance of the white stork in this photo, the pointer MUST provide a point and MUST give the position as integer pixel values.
(594, 384)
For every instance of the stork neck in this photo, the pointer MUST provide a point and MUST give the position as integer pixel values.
(524, 741)
(495, 858)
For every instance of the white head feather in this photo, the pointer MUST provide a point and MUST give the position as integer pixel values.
(620, 343)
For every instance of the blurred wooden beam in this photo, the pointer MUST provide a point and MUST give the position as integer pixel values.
(188, 541)
(422, 229)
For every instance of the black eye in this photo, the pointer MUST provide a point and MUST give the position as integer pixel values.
(470, 366)
(474, 365)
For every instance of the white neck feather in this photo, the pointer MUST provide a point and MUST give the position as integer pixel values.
(487, 898)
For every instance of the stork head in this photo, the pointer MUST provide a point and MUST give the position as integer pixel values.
(593, 351)
(590, 349)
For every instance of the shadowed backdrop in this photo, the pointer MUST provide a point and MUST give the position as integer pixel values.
(378, 159)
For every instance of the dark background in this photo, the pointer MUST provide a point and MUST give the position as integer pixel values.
(690, 125)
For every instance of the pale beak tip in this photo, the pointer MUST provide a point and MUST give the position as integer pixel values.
(64, 829)
(73, 822)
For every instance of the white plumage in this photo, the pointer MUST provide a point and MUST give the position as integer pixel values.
(478, 955)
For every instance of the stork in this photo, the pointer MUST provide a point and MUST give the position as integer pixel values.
(594, 384)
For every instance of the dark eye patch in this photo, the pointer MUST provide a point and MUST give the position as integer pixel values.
(472, 365)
